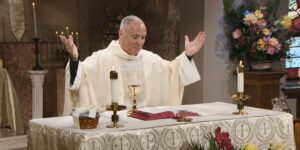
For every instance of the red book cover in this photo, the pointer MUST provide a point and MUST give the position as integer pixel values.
(151, 116)
(161, 115)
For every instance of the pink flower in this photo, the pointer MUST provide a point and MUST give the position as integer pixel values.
(271, 50)
(223, 140)
(273, 42)
(261, 22)
(236, 33)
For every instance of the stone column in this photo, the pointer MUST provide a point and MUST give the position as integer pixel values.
(37, 80)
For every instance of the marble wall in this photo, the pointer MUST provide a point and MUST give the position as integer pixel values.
(93, 20)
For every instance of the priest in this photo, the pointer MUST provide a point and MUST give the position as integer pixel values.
(161, 82)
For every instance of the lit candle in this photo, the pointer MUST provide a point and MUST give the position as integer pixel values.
(113, 78)
(62, 45)
(73, 37)
(34, 19)
(240, 77)
(77, 41)
(67, 32)
(56, 33)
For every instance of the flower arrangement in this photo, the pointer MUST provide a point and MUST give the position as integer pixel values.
(221, 141)
(294, 13)
(254, 33)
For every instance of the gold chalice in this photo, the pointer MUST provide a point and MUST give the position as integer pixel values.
(134, 90)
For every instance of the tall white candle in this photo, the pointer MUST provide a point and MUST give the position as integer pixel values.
(240, 78)
(77, 40)
(34, 20)
(67, 32)
(113, 78)
(62, 45)
(56, 33)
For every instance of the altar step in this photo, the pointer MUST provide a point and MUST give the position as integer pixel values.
(14, 143)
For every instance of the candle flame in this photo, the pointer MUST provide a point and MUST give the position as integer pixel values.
(62, 33)
(113, 68)
(77, 33)
(33, 4)
(56, 32)
(241, 62)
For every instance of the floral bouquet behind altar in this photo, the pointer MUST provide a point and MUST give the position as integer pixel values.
(255, 33)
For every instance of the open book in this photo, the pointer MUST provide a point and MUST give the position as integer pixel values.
(161, 115)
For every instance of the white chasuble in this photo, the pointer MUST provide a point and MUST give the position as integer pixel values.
(162, 82)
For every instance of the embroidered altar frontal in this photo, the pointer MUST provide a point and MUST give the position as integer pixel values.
(260, 127)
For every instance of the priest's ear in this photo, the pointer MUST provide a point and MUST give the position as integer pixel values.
(121, 32)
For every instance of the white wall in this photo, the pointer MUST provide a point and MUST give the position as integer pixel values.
(218, 82)
(192, 18)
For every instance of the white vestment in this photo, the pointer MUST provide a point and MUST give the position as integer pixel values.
(162, 82)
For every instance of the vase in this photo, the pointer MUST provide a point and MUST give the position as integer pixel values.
(261, 65)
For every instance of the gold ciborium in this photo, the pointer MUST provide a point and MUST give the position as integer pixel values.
(115, 107)
(134, 90)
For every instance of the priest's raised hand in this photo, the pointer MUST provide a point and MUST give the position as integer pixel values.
(192, 47)
(70, 46)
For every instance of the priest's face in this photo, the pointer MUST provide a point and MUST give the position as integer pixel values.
(132, 37)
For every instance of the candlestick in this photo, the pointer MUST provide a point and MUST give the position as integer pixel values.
(37, 64)
(56, 33)
(77, 41)
(34, 19)
(67, 32)
(240, 77)
(115, 107)
(62, 45)
(113, 78)
(240, 96)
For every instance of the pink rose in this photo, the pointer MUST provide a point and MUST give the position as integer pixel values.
(236, 33)
(271, 51)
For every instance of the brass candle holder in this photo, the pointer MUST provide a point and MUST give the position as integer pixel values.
(134, 91)
(115, 107)
(240, 97)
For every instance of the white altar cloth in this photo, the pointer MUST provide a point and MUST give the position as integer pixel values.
(261, 127)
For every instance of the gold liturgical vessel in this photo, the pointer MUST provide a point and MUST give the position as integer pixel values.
(115, 107)
(240, 96)
(134, 91)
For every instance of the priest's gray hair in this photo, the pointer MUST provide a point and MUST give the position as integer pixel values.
(128, 19)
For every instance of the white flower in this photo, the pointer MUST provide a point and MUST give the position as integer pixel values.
(293, 14)
(298, 11)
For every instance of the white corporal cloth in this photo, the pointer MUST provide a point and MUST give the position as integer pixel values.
(261, 127)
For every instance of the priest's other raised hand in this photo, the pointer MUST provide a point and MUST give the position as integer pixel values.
(70, 46)
(192, 47)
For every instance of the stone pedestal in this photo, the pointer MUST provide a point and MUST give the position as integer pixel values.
(37, 80)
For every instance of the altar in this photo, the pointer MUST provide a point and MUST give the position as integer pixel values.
(260, 127)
